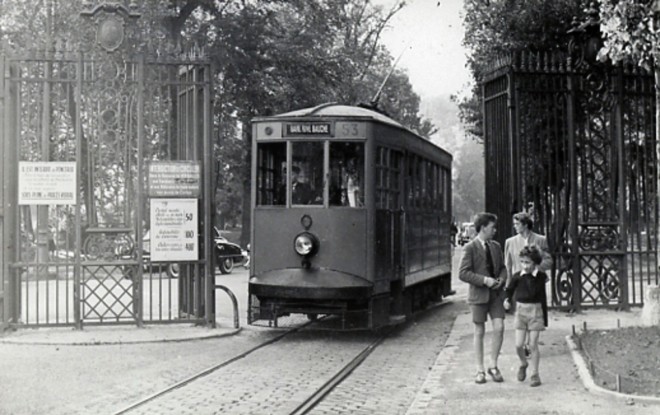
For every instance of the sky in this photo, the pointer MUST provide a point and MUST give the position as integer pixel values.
(430, 32)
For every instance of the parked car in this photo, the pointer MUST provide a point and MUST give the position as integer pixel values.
(228, 254)
(172, 269)
(466, 233)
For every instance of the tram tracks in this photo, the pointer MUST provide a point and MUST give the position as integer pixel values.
(308, 403)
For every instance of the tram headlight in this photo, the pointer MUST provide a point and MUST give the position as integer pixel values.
(306, 244)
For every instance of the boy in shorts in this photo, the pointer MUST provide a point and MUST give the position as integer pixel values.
(482, 267)
(531, 309)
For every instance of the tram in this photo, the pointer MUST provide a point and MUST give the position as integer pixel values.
(351, 216)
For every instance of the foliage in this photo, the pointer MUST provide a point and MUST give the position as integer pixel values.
(269, 56)
(628, 31)
(495, 28)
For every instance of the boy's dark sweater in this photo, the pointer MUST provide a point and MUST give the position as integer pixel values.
(529, 289)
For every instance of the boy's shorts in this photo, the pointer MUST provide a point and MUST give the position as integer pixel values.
(494, 307)
(529, 316)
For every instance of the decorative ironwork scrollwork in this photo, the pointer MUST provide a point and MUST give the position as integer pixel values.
(599, 238)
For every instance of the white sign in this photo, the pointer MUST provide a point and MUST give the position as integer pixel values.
(174, 230)
(47, 183)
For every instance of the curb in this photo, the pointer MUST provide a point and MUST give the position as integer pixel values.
(591, 386)
(118, 342)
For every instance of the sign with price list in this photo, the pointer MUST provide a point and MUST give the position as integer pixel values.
(174, 230)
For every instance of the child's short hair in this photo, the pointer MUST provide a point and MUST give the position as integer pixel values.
(532, 252)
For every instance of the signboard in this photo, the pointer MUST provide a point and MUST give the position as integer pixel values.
(174, 179)
(308, 128)
(47, 183)
(173, 231)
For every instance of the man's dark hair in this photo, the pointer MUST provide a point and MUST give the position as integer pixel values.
(483, 219)
(525, 219)
(532, 252)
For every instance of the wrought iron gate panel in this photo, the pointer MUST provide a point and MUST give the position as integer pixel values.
(582, 153)
(109, 116)
(640, 172)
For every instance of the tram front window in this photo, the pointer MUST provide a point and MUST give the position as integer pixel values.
(271, 174)
(306, 173)
(347, 174)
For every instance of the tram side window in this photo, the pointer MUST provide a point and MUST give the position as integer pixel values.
(271, 173)
(347, 174)
(307, 173)
(388, 168)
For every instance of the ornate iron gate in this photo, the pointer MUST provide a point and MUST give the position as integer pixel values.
(90, 121)
(575, 140)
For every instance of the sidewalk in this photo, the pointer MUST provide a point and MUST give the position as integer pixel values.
(124, 334)
(450, 388)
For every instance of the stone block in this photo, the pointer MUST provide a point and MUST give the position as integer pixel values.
(651, 309)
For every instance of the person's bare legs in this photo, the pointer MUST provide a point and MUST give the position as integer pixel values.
(520, 346)
(496, 341)
(534, 348)
(479, 330)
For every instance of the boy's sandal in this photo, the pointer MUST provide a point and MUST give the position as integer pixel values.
(536, 380)
(495, 374)
(481, 378)
(522, 372)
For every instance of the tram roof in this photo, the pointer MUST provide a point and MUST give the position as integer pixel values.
(335, 110)
(339, 110)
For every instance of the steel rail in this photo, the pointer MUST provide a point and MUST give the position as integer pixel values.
(209, 370)
(339, 377)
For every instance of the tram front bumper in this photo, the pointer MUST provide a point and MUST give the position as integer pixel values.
(314, 283)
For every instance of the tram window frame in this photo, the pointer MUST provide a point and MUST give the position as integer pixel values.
(308, 162)
(269, 173)
(341, 162)
(388, 187)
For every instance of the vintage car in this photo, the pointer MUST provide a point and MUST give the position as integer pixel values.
(228, 255)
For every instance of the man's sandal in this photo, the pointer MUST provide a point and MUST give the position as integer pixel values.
(495, 374)
(522, 372)
(536, 380)
(481, 378)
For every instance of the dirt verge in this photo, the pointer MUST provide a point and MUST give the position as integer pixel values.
(632, 353)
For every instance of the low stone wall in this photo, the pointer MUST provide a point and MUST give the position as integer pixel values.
(651, 309)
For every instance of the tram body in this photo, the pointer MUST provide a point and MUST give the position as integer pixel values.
(370, 240)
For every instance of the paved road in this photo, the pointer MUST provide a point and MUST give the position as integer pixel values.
(106, 378)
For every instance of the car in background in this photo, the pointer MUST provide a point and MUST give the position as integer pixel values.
(227, 254)
(466, 233)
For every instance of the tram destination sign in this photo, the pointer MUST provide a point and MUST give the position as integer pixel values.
(308, 128)
(174, 179)
(47, 183)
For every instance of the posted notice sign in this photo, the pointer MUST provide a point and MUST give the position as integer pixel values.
(174, 230)
(47, 183)
(174, 179)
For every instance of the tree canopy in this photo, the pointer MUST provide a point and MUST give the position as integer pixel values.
(269, 56)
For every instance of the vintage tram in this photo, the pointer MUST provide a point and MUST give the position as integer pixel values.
(351, 217)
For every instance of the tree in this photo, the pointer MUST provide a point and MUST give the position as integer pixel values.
(631, 32)
(495, 28)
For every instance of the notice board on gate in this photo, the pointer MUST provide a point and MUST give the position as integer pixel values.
(174, 235)
(174, 179)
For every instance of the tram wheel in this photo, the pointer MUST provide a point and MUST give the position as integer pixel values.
(312, 316)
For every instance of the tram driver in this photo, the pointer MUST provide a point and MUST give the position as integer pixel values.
(301, 192)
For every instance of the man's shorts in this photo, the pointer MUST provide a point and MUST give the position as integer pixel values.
(494, 307)
(529, 316)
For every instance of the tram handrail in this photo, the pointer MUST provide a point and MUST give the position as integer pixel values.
(233, 300)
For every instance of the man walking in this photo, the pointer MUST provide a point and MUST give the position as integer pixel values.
(482, 266)
(523, 224)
